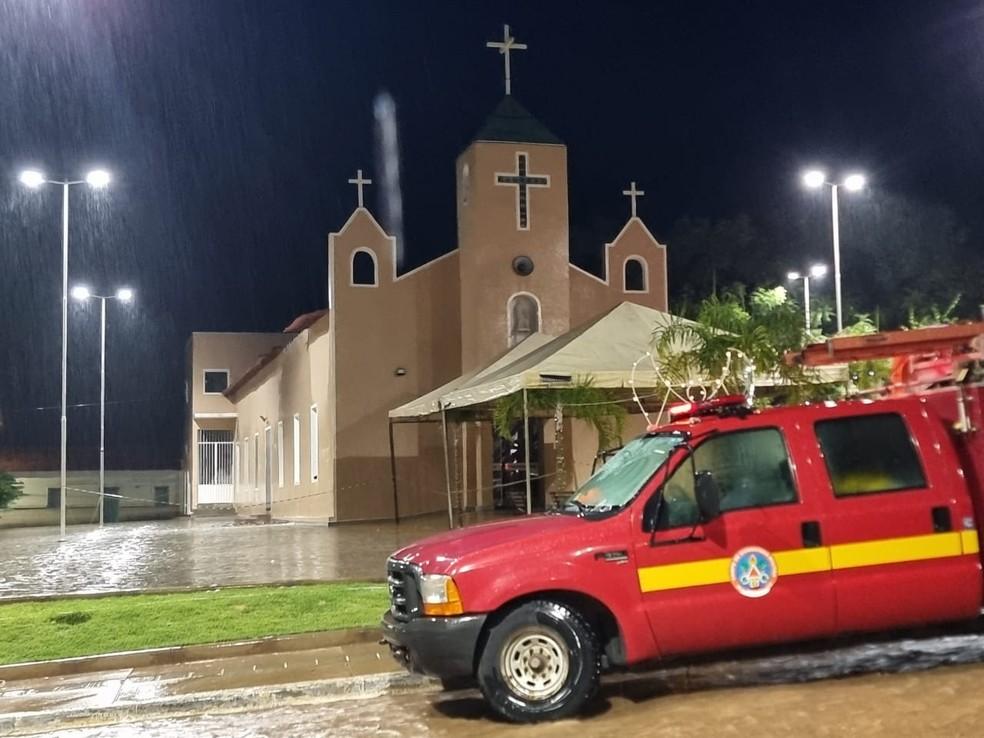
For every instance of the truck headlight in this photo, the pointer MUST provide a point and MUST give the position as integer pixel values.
(440, 595)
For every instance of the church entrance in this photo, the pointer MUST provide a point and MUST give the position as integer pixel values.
(509, 468)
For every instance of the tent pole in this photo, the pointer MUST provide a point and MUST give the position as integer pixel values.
(526, 445)
(447, 463)
(396, 499)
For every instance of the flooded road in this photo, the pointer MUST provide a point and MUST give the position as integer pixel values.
(190, 552)
(945, 701)
(904, 687)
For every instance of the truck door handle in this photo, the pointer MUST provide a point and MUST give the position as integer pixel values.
(811, 534)
(942, 521)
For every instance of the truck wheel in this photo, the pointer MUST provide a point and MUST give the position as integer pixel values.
(541, 662)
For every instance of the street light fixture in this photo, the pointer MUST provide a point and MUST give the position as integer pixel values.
(814, 272)
(124, 294)
(854, 182)
(814, 179)
(98, 178)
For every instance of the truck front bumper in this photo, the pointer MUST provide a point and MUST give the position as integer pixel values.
(439, 647)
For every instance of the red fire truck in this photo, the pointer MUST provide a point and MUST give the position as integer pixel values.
(728, 527)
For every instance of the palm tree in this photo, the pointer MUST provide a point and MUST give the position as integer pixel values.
(736, 334)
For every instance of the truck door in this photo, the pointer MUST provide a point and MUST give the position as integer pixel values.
(758, 573)
(899, 523)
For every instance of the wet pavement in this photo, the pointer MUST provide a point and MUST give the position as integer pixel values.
(124, 687)
(933, 688)
(731, 698)
(197, 552)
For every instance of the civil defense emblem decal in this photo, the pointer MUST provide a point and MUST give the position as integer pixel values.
(753, 572)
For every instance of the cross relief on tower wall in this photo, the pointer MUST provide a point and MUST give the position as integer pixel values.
(522, 180)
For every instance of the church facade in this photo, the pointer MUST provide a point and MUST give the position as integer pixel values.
(305, 426)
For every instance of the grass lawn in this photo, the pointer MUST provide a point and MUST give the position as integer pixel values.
(31, 631)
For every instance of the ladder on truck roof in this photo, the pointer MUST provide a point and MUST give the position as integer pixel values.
(922, 357)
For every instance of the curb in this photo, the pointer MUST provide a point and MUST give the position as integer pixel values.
(28, 723)
(100, 594)
(187, 654)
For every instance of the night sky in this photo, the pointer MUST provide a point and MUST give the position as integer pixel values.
(232, 127)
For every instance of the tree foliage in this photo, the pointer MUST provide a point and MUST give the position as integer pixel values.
(10, 489)
(933, 314)
(899, 255)
(582, 400)
(731, 334)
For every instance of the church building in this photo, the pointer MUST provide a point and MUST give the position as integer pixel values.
(295, 424)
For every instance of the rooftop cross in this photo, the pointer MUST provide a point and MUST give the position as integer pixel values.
(359, 182)
(633, 193)
(505, 47)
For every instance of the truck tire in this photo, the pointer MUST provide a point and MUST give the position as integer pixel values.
(540, 662)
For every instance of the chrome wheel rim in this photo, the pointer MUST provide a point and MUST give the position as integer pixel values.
(534, 663)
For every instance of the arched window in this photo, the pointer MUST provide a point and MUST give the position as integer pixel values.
(524, 317)
(635, 275)
(364, 268)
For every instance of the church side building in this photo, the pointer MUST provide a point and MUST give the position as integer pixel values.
(311, 435)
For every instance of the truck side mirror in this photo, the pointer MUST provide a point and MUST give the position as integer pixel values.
(708, 495)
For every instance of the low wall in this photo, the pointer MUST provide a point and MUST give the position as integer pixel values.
(143, 495)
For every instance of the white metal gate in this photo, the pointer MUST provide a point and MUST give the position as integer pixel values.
(215, 467)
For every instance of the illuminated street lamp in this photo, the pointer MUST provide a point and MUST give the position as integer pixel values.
(97, 179)
(815, 272)
(124, 294)
(814, 179)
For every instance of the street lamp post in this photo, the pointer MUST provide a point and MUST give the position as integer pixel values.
(814, 179)
(97, 178)
(816, 272)
(124, 294)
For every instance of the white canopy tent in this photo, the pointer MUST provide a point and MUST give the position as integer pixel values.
(606, 349)
(613, 350)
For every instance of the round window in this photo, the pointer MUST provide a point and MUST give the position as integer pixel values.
(522, 265)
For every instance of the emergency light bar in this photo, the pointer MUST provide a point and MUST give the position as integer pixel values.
(729, 404)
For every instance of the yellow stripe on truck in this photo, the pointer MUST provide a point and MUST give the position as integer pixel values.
(802, 561)
(813, 560)
(690, 574)
(895, 550)
(969, 542)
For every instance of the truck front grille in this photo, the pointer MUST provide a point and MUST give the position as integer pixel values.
(404, 591)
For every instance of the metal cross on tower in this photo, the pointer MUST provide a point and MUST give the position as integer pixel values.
(359, 182)
(505, 47)
(633, 193)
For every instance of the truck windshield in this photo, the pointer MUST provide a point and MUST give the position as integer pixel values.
(618, 481)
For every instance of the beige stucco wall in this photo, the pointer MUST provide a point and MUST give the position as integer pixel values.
(592, 296)
(409, 323)
(236, 352)
(489, 239)
(288, 386)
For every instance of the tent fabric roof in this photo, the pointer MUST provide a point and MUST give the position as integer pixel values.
(604, 348)
(510, 121)
(429, 403)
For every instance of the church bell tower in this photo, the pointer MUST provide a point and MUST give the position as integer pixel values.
(513, 230)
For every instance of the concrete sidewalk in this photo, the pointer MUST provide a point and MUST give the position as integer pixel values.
(108, 696)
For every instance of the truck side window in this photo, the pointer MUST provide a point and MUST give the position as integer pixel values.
(869, 453)
(751, 468)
